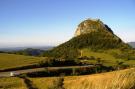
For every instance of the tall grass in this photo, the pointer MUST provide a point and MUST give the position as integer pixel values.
(12, 83)
(117, 80)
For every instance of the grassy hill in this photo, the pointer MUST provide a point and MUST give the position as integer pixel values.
(92, 34)
(94, 41)
(123, 79)
(108, 48)
(13, 61)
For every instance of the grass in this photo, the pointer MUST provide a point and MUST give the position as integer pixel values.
(12, 83)
(124, 79)
(43, 83)
(114, 80)
(13, 61)
(106, 56)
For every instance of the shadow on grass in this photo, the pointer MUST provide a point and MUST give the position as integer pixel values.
(28, 83)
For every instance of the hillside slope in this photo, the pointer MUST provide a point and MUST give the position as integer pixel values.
(13, 61)
(91, 34)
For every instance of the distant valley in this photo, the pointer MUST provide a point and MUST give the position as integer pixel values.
(132, 44)
(10, 49)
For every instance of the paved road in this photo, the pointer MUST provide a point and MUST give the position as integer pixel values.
(7, 74)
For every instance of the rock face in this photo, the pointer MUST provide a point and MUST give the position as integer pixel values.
(91, 25)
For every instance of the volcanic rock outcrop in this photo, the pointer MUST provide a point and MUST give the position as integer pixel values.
(92, 25)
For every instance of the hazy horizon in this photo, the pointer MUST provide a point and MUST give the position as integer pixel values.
(50, 23)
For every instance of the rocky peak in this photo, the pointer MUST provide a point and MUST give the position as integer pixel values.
(92, 25)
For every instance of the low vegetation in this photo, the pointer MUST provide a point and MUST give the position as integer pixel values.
(110, 57)
(113, 80)
(123, 79)
(12, 61)
(58, 83)
(43, 83)
(12, 83)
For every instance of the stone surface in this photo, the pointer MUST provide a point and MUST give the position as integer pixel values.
(91, 25)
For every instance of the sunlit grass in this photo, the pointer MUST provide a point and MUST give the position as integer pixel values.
(12, 60)
(113, 80)
(124, 79)
(106, 56)
(12, 83)
(43, 83)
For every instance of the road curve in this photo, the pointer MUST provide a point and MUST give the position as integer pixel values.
(7, 74)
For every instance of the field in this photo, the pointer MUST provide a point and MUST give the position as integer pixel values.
(12, 83)
(13, 61)
(123, 79)
(113, 80)
(43, 83)
(107, 57)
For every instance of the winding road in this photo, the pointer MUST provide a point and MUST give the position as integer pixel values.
(18, 72)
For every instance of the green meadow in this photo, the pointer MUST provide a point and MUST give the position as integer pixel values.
(13, 60)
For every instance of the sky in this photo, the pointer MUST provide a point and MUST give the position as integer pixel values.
(52, 22)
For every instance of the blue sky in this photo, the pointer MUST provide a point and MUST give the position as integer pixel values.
(51, 22)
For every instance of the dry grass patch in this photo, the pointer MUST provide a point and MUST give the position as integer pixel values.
(114, 80)
(12, 83)
(43, 83)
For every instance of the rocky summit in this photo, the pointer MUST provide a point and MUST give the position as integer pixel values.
(92, 25)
